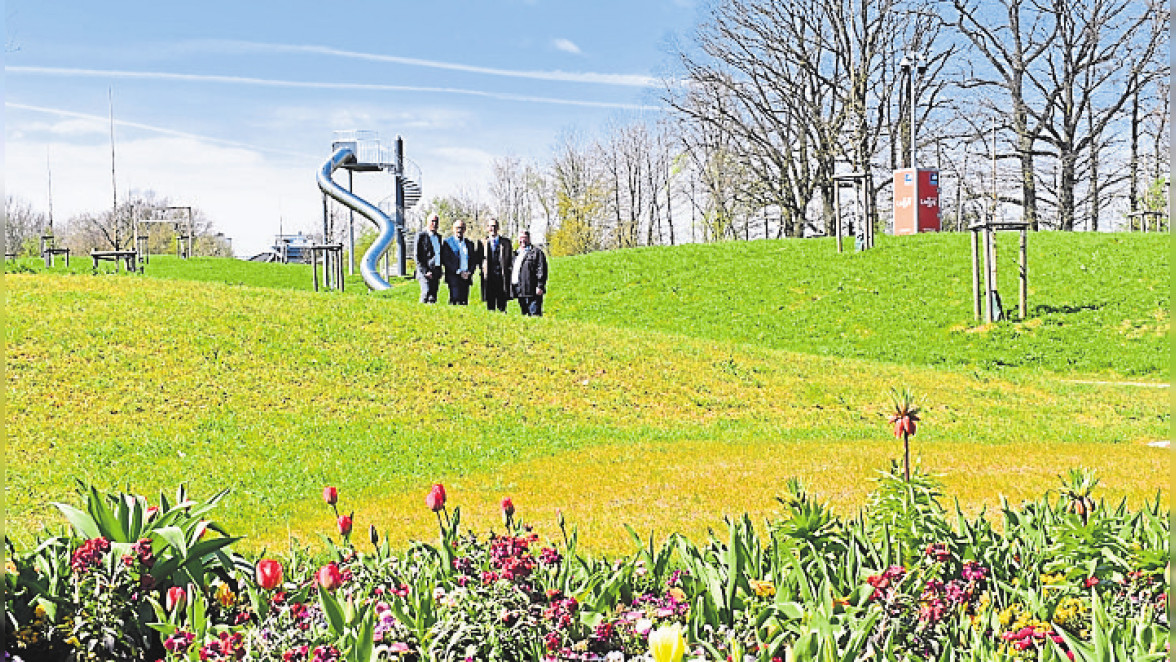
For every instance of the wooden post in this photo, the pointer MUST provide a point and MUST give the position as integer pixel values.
(314, 268)
(1024, 265)
(976, 305)
(837, 216)
(989, 274)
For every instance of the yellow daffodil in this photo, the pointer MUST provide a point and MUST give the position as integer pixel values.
(667, 644)
(763, 589)
(224, 595)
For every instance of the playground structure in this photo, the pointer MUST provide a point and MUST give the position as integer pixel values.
(361, 151)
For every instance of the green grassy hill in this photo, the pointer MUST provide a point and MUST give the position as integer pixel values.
(1099, 304)
(624, 405)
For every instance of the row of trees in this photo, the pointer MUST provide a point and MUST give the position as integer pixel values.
(1052, 110)
(113, 229)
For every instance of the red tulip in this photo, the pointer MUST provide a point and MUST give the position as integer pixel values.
(176, 598)
(269, 574)
(436, 498)
(152, 511)
(508, 508)
(329, 577)
(344, 525)
(330, 495)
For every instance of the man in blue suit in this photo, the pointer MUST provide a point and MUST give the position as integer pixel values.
(460, 258)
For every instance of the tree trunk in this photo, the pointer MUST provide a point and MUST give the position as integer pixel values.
(1095, 184)
(1068, 176)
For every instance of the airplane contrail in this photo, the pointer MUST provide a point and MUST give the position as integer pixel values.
(103, 120)
(627, 80)
(270, 82)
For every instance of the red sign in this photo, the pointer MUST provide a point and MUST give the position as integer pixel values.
(916, 201)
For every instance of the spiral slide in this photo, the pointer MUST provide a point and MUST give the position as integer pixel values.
(387, 229)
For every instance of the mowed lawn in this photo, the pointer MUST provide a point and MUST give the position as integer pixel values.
(147, 382)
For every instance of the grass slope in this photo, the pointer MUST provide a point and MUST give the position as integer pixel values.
(1099, 304)
(149, 382)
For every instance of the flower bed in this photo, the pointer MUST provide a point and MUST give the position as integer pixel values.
(1060, 578)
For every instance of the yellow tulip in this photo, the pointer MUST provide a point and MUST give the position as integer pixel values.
(667, 644)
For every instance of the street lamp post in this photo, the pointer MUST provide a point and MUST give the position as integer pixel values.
(909, 64)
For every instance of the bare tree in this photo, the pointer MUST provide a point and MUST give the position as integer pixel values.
(1010, 36)
(510, 194)
(1103, 48)
(625, 159)
(580, 197)
(23, 226)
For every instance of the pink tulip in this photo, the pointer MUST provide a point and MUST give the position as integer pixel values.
(330, 495)
(176, 598)
(329, 577)
(436, 498)
(269, 574)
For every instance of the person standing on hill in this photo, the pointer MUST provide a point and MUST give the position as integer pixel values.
(428, 260)
(459, 257)
(496, 268)
(529, 276)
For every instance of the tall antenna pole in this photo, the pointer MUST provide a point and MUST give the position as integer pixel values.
(49, 170)
(113, 181)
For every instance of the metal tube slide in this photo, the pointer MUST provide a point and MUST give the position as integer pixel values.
(388, 229)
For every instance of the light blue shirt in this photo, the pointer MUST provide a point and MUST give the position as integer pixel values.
(459, 247)
(436, 239)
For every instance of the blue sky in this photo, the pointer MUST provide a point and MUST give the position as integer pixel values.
(231, 106)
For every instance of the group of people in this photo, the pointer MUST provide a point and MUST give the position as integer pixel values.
(507, 273)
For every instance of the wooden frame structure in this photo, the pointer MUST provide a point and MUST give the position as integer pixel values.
(184, 234)
(987, 255)
(130, 258)
(49, 250)
(1157, 219)
(856, 181)
(332, 259)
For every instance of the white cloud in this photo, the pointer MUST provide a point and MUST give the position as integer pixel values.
(565, 45)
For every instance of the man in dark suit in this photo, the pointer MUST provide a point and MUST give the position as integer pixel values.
(529, 276)
(428, 261)
(497, 259)
(460, 258)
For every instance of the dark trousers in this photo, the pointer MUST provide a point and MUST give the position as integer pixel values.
(531, 306)
(495, 292)
(429, 287)
(459, 290)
